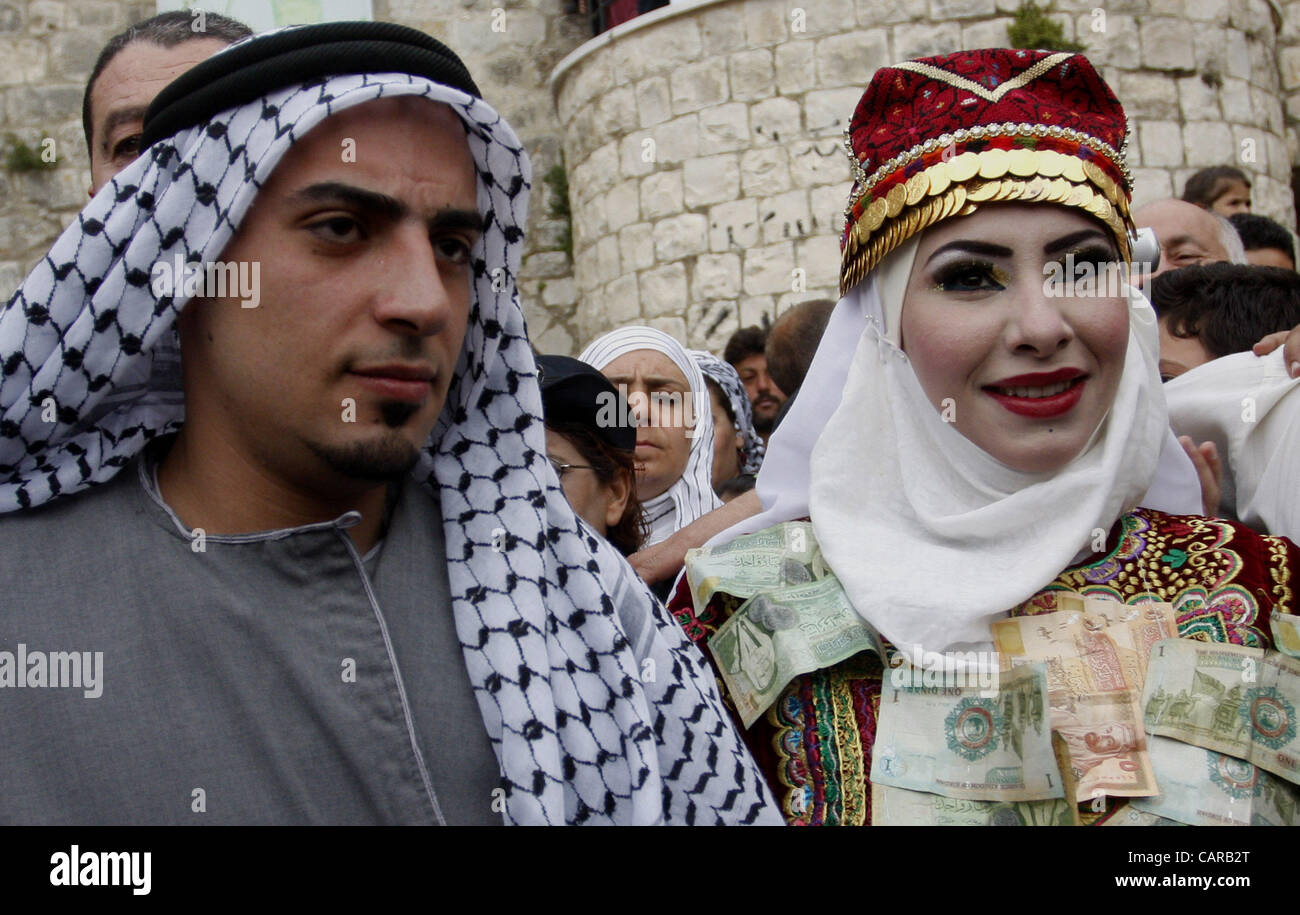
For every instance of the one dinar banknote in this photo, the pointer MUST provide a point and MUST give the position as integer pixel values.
(777, 635)
(1200, 787)
(968, 742)
(1232, 699)
(778, 557)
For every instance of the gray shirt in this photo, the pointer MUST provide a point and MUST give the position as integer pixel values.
(271, 677)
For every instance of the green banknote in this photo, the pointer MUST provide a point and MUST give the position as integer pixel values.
(778, 557)
(1203, 788)
(1232, 699)
(900, 807)
(1286, 632)
(967, 741)
(777, 635)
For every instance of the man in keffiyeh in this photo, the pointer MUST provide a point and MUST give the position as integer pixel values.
(290, 551)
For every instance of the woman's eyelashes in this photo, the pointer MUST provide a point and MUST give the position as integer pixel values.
(970, 276)
(1097, 258)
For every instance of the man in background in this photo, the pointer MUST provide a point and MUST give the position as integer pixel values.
(746, 353)
(132, 69)
(1189, 235)
(1267, 243)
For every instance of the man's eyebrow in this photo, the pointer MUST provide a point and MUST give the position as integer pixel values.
(383, 205)
(116, 118)
(971, 247)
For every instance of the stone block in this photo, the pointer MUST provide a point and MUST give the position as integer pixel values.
(1251, 149)
(678, 140)
(820, 259)
(711, 180)
(42, 107)
(822, 162)
(724, 128)
(616, 112)
(850, 59)
(925, 39)
(733, 225)
(768, 269)
(827, 111)
(765, 172)
(547, 264)
(775, 121)
(1208, 143)
(765, 22)
(886, 12)
(715, 276)
(25, 62)
(1161, 143)
(722, 30)
(698, 85)
(620, 301)
(555, 339)
(653, 101)
(1197, 100)
(605, 252)
(1109, 39)
(560, 292)
(1147, 95)
(824, 17)
(1151, 184)
(796, 71)
(826, 208)
(943, 10)
(1165, 43)
(623, 204)
(661, 194)
(785, 216)
(636, 246)
(752, 74)
(673, 325)
(663, 291)
(681, 236)
(636, 155)
(989, 33)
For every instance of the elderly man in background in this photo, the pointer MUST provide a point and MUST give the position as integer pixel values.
(1189, 235)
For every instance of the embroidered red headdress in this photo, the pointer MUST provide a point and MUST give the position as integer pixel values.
(937, 137)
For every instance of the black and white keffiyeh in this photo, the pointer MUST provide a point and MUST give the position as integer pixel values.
(597, 707)
(727, 378)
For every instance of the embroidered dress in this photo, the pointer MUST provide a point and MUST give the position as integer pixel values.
(814, 744)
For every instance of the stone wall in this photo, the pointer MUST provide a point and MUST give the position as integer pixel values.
(49, 46)
(703, 140)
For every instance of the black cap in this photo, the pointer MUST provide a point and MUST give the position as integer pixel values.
(575, 392)
(250, 69)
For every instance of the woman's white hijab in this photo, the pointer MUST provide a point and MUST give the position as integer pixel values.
(692, 494)
(899, 499)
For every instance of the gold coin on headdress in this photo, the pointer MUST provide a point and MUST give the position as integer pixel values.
(1080, 194)
(985, 190)
(1111, 190)
(1094, 172)
(895, 198)
(1035, 188)
(963, 168)
(917, 185)
(939, 182)
(1100, 207)
(1050, 163)
(1072, 168)
(994, 163)
(968, 209)
(874, 215)
(1058, 190)
(959, 198)
(1022, 162)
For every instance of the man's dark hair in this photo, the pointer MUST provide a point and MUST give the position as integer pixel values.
(1261, 232)
(1227, 306)
(746, 342)
(1207, 185)
(793, 342)
(736, 486)
(166, 30)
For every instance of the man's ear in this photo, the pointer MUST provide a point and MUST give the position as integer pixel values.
(620, 490)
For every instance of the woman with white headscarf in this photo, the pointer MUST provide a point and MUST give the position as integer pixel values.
(664, 390)
(995, 428)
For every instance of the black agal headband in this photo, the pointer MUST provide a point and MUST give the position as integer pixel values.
(252, 68)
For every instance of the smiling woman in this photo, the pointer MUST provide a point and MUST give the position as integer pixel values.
(996, 434)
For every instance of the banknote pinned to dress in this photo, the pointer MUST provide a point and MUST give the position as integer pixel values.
(960, 742)
(1096, 652)
(1232, 699)
(778, 557)
(779, 634)
(1200, 787)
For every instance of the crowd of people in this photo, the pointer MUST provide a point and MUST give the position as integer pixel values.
(360, 554)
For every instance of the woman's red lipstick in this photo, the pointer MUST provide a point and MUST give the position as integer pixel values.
(1026, 403)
